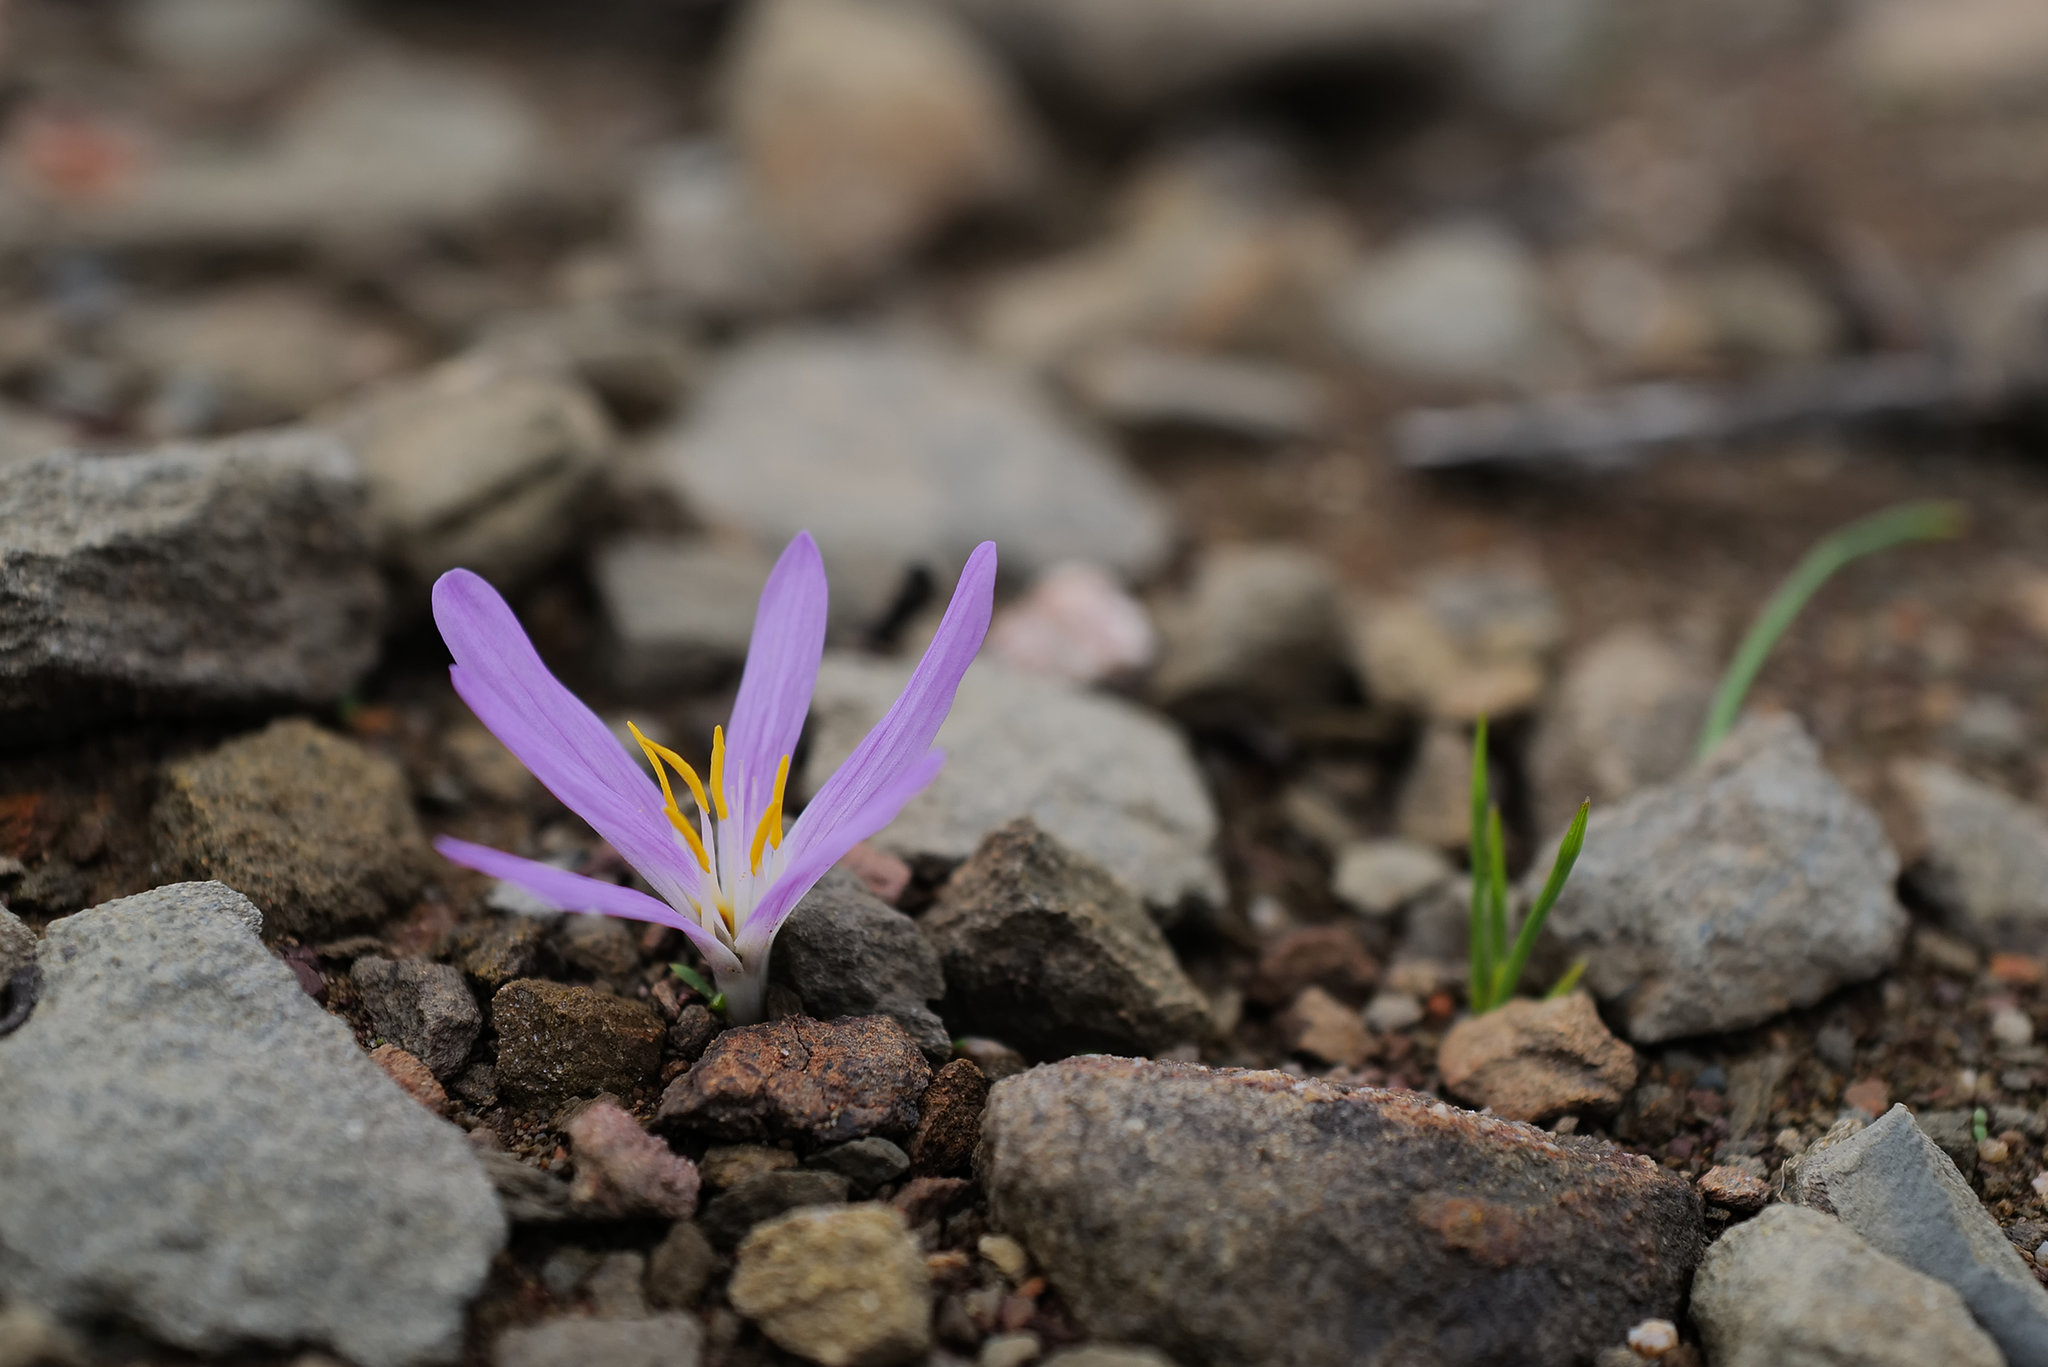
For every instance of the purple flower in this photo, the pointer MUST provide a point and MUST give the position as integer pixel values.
(726, 873)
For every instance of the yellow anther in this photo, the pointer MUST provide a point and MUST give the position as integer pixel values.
(769, 832)
(684, 826)
(718, 771)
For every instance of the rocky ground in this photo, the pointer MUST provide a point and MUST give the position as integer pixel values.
(1140, 1037)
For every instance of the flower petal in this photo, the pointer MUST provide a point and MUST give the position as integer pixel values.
(903, 737)
(782, 668)
(500, 675)
(567, 891)
(812, 862)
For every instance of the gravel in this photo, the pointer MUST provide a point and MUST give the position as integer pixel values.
(842, 1287)
(846, 952)
(193, 1146)
(557, 1042)
(423, 1007)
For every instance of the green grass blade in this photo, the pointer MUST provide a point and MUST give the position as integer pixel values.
(694, 980)
(1497, 887)
(1479, 940)
(1532, 924)
(1929, 520)
(1566, 981)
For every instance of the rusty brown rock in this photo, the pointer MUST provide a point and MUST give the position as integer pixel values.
(1328, 957)
(315, 830)
(1733, 1189)
(408, 1072)
(797, 1078)
(930, 1198)
(557, 1042)
(1533, 1060)
(1232, 1218)
(949, 1120)
(1320, 1026)
(625, 1170)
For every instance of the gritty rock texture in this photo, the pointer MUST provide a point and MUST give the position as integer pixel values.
(622, 1168)
(1984, 855)
(1044, 950)
(423, 1006)
(680, 1267)
(766, 1195)
(801, 1078)
(17, 945)
(1625, 714)
(1112, 782)
(1890, 1184)
(417, 1079)
(1794, 1288)
(1752, 885)
(266, 1183)
(865, 1163)
(656, 1341)
(316, 830)
(894, 451)
(949, 1119)
(842, 1287)
(235, 573)
(1534, 1060)
(1178, 1206)
(848, 953)
(557, 1042)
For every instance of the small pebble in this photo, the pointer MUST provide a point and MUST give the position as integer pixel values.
(1993, 1151)
(1010, 1350)
(2012, 1027)
(1007, 1254)
(1733, 1189)
(1652, 1339)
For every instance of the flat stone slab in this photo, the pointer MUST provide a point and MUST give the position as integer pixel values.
(189, 1144)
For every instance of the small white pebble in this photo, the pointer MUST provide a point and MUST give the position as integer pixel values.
(1007, 1254)
(1992, 1151)
(2040, 1185)
(1009, 1350)
(2012, 1027)
(1390, 1011)
(1653, 1338)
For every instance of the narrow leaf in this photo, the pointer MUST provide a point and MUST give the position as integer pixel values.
(694, 980)
(1532, 925)
(1566, 981)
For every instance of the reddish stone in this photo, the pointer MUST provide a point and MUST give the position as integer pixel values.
(1320, 1026)
(1329, 957)
(1733, 1189)
(627, 1171)
(1869, 1095)
(1532, 1060)
(409, 1073)
(882, 873)
(797, 1078)
(930, 1198)
(2016, 970)
(949, 1119)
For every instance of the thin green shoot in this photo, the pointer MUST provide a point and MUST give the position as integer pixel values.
(1497, 963)
(699, 984)
(1927, 520)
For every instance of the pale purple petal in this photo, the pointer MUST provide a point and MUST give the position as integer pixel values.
(567, 891)
(904, 735)
(811, 862)
(500, 675)
(782, 667)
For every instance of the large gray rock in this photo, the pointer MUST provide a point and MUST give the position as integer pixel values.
(1047, 952)
(846, 952)
(1793, 1288)
(480, 463)
(1237, 1218)
(671, 1340)
(17, 945)
(1110, 781)
(1890, 1184)
(1626, 714)
(190, 1145)
(1751, 885)
(234, 573)
(894, 451)
(1984, 855)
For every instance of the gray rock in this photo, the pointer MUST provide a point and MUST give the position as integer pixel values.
(863, 128)
(895, 452)
(846, 952)
(17, 945)
(316, 830)
(681, 611)
(1794, 1288)
(673, 1340)
(1751, 885)
(699, 238)
(1379, 877)
(1890, 1184)
(1471, 641)
(1044, 950)
(230, 48)
(1998, 304)
(1459, 303)
(1434, 807)
(1259, 621)
(480, 463)
(1145, 386)
(1177, 1206)
(680, 1267)
(422, 1007)
(1984, 855)
(732, 1213)
(236, 573)
(1926, 55)
(1626, 714)
(269, 1184)
(1101, 1355)
(866, 1163)
(1105, 778)
(603, 946)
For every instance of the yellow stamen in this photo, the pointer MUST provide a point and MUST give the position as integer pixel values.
(685, 827)
(718, 771)
(769, 832)
(724, 905)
